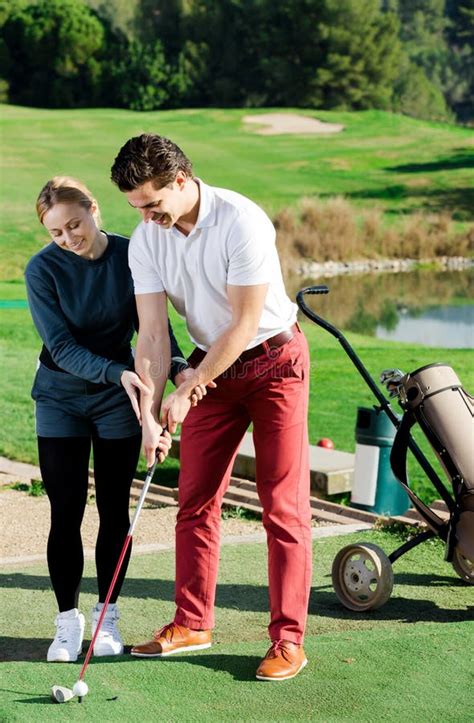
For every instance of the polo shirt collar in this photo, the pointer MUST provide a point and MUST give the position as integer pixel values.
(207, 206)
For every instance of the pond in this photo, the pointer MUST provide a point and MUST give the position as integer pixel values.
(433, 308)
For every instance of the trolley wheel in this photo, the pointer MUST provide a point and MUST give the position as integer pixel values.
(362, 576)
(463, 566)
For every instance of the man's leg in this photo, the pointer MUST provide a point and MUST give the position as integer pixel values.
(278, 409)
(210, 436)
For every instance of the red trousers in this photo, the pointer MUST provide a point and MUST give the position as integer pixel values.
(270, 391)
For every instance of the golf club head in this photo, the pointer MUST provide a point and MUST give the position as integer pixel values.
(60, 694)
(391, 379)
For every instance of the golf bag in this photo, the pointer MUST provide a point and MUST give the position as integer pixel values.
(433, 397)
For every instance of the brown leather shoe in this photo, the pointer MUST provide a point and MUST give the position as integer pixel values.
(173, 638)
(283, 661)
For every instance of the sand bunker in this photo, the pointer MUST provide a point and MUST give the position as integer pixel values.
(277, 123)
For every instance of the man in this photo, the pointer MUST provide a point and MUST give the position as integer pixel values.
(212, 253)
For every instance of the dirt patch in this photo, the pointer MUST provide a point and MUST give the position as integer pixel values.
(339, 164)
(279, 123)
(24, 522)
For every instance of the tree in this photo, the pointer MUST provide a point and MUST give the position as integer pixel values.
(52, 54)
(360, 55)
(426, 71)
(328, 53)
(120, 14)
(460, 35)
(226, 32)
(422, 28)
(415, 95)
(289, 48)
(162, 20)
(137, 76)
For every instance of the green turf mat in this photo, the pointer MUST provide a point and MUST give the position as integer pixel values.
(412, 658)
(13, 304)
(423, 675)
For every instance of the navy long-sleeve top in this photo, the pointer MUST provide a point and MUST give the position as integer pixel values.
(84, 310)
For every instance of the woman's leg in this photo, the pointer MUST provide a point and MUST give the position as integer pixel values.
(64, 463)
(115, 462)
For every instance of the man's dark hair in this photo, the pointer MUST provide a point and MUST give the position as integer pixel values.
(149, 158)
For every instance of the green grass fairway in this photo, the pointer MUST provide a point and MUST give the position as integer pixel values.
(336, 387)
(412, 659)
(396, 163)
(371, 161)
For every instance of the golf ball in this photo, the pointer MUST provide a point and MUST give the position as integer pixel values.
(80, 689)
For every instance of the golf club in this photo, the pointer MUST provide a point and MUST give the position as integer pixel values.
(59, 693)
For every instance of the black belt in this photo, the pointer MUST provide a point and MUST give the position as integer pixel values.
(273, 343)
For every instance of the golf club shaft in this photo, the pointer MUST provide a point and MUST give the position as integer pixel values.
(146, 484)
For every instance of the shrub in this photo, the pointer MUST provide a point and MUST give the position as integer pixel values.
(334, 230)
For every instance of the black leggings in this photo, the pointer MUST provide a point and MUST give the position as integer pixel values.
(64, 463)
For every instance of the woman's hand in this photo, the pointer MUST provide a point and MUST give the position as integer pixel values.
(199, 391)
(134, 386)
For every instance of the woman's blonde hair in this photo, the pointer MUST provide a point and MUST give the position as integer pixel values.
(64, 189)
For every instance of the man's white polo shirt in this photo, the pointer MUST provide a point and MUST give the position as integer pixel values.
(233, 242)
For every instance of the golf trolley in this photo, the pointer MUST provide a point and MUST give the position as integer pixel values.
(433, 397)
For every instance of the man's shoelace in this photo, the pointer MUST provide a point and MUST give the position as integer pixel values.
(167, 631)
(278, 648)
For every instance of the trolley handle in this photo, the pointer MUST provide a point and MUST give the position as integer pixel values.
(320, 289)
(346, 346)
(384, 404)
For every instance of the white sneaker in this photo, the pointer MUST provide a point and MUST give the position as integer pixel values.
(67, 643)
(109, 641)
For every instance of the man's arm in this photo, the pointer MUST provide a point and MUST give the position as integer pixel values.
(152, 363)
(247, 304)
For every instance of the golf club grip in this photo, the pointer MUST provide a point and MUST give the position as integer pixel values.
(149, 476)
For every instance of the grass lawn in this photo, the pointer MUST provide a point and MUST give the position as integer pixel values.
(336, 387)
(371, 162)
(412, 659)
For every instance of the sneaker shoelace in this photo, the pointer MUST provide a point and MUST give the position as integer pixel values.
(108, 627)
(63, 632)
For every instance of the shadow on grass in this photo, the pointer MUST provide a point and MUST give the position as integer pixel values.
(459, 201)
(23, 649)
(463, 159)
(240, 667)
(36, 698)
(254, 598)
(324, 604)
(239, 597)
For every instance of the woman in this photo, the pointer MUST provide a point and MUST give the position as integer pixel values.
(82, 302)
